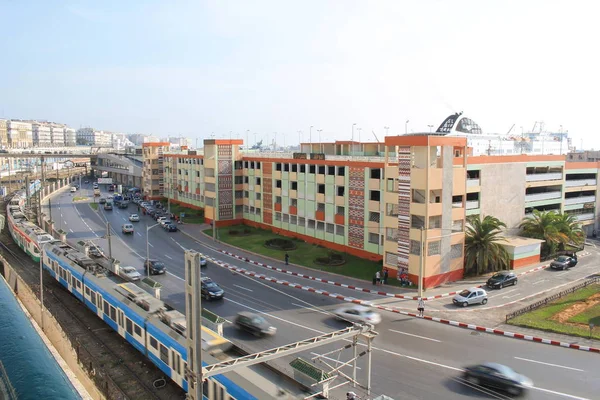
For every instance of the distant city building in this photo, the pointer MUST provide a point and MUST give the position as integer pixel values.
(584, 156)
(41, 134)
(3, 133)
(57, 133)
(19, 134)
(136, 138)
(179, 141)
(70, 136)
(92, 137)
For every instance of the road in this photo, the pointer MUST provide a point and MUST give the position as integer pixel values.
(412, 359)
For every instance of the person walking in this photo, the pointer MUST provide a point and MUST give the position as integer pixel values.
(378, 278)
(421, 307)
(385, 276)
(287, 259)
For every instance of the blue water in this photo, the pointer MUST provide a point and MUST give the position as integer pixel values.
(31, 369)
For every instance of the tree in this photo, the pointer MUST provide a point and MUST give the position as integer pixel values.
(571, 230)
(483, 249)
(555, 229)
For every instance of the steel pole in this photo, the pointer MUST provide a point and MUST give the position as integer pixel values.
(421, 259)
(109, 244)
(42, 287)
(147, 251)
(355, 348)
(369, 351)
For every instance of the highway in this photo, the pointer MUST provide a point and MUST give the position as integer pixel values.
(412, 358)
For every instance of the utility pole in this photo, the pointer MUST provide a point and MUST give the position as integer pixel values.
(109, 244)
(42, 286)
(421, 261)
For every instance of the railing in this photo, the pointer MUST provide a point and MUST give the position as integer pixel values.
(580, 182)
(471, 205)
(545, 301)
(473, 182)
(583, 217)
(458, 204)
(552, 176)
(580, 199)
(543, 196)
(418, 197)
(330, 157)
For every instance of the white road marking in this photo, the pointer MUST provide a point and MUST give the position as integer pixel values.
(169, 257)
(510, 297)
(65, 222)
(139, 233)
(566, 271)
(241, 287)
(61, 214)
(570, 396)
(552, 365)
(150, 244)
(502, 293)
(71, 230)
(331, 359)
(311, 308)
(182, 248)
(540, 281)
(417, 336)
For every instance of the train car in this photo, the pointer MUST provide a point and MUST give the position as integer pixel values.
(148, 324)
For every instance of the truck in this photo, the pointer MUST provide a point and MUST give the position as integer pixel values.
(96, 192)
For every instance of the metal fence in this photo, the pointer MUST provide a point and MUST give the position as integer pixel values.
(549, 299)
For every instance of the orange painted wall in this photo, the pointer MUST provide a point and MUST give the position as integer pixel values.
(320, 215)
(437, 280)
(338, 219)
(188, 205)
(523, 262)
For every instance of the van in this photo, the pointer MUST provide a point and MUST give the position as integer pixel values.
(73, 189)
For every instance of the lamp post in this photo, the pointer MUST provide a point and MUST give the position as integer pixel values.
(42, 286)
(406, 127)
(300, 141)
(359, 130)
(430, 128)
(387, 128)
(310, 137)
(353, 125)
(148, 247)
(320, 143)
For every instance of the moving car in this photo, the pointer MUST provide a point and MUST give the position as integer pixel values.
(210, 290)
(161, 220)
(108, 206)
(497, 376)
(127, 228)
(358, 314)
(254, 324)
(564, 262)
(73, 189)
(202, 262)
(86, 181)
(155, 267)
(123, 205)
(502, 279)
(134, 218)
(171, 228)
(164, 222)
(129, 273)
(102, 200)
(470, 296)
(95, 185)
(95, 251)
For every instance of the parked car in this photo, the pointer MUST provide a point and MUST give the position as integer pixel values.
(86, 181)
(123, 205)
(161, 219)
(102, 200)
(129, 273)
(470, 296)
(564, 262)
(155, 267)
(502, 279)
(108, 206)
(254, 324)
(211, 290)
(497, 376)
(358, 314)
(134, 218)
(170, 227)
(164, 222)
(127, 228)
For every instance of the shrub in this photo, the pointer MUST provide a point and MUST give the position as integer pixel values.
(233, 232)
(280, 244)
(332, 259)
(247, 231)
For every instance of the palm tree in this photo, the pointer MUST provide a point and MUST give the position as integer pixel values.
(555, 229)
(483, 250)
(571, 229)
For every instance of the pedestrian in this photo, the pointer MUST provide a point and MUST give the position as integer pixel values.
(385, 276)
(377, 278)
(138, 209)
(351, 396)
(421, 307)
(287, 259)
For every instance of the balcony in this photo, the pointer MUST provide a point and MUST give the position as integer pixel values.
(580, 199)
(580, 182)
(543, 196)
(458, 204)
(471, 205)
(552, 176)
(584, 217)
(473, 182)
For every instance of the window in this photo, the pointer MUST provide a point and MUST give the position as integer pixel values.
(330, 170)
(321, 207)
(312, 169)
(294, 167)
(113, 313)
(434, 248)
(278, 167)
(391, 209)
(456, 250)
(246, 179)
(286, 167)
(321, 170)
(246, 194)
(341, 171)
(302, 168)
(340, 210)
(391, 234)
(374, 195)
(294, 185)
(87, 291)
(391, 258)
(301, 221)
(373, 238)
(390, 185)
(341, 190)
(257, 196)
(435, 222)
(293, 202)
(258, 181)
(129, 326)
(153, 343)
(415, 247)
(277, 216)
(339, 230)
(293, 219)
(373, 216)
(457, 226)
(417, 222)
(137, 330)
(311, 224)
(164, 354)
(330, 228)
(286, 217)
(321, 188)
(277, 199)
(375, 173)
(320, 226)
(189, 272)
(93, 297)
(278, 183)
(106, 308)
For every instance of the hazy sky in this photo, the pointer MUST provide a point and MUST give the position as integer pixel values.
(193, 67)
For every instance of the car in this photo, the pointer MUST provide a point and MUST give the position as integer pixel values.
(164, 222)
(134, 218)
(358, 314)
(110, 197)
(155, 267)
(73, 189)
(86, 181)
(470, 296)
(95, 185)
(102, 200)
(127, 228)
(161, 219)
(210, 290)
(564, 262)
(497, 376)
(502, 279)
(95, 251)
(254, 324)
(203, 262)
(108, 206)
(170, 227)
(123, 205)
(129, 273)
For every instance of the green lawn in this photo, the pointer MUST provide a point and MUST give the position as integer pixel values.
(79, 198)
(191, 216)
(304, 254)
(540, 318)
(94, 206)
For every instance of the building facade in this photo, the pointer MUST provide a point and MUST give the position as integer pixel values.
(41, 134)
(92, 137)
(20, 135)
(153, 169)
(70, 136)
(4, 140)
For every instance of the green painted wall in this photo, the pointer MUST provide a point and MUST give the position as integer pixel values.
(542, 202)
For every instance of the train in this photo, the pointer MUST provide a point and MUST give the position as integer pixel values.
(148, 324)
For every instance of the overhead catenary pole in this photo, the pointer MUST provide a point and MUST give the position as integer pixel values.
(421, 261)
(42, 287)
(109, 244)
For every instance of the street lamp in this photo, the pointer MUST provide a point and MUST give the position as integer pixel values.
(430, 127)
(148, 247)
(320, 143)
(387, 128)
(310, 137)
(353, 125)
(406, 127)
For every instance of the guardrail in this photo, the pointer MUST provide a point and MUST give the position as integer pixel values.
(549, 299)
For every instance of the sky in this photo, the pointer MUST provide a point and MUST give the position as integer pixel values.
(274, 68)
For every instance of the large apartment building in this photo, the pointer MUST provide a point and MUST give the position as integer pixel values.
(19, 134)
(153, 169)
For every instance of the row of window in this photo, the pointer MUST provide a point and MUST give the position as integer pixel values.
(434, 248)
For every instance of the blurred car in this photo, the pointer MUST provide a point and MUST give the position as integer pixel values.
(502, 279)
(497, 376)
(129, 273)
(155, 267)
(108, 206)
(134, 218)
(202, 262)
(170, 227)
(102, 200)
(86, 181)
(210, 290)
(95, 251)
(127, 228)
(73, 189)
(470, 296)
(564, 262)
(164, 222)
(161, 219)
(123, 205)
(254, 324)
(358, 314)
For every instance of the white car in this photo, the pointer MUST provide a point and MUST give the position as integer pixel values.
(161, 220)
(470, 296)
(73, 189)
(358, 314)
(127, 228)
(134, 218)
(129, 273)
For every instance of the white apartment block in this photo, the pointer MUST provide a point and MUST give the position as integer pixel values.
(58, 135)
(19, 134)
(41, 134)
(92, 137)
(70, 136)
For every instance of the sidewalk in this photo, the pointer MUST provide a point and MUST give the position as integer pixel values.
(391, 292)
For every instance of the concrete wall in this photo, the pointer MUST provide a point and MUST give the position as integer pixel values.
(503, 193)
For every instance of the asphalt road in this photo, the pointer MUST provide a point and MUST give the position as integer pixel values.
(412, 358)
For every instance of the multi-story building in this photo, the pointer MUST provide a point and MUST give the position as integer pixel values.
(57, 132)
(92, 137)
(41, 134)
(153, 169)
(70, 136)
(19, 134)
(4, 142)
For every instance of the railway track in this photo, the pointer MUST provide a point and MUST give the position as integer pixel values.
(119, 370)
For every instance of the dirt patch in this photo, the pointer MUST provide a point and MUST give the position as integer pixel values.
(575, 309)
